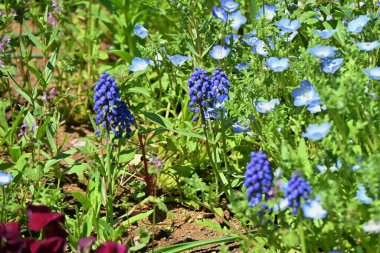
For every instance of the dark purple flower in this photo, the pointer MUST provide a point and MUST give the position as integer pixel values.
(111, 247)
(49, 245)
(41, 218)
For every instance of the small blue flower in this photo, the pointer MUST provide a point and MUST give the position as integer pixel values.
(219, 52)
(282, 205)
(242, 65)
(367, 46)
(320, 17)
(219, 13)
(140, 64)
(260, 48)
(140, 31)
(231, 39)
(373, 73)
(331, 66)
(237, 19)
(361, 195)
(316, 132)
(286, 25)
(324, 34)
(290, 37)
(305, 95)
(372, 227)
(322, 52)
(313, 209)
(177, 59)
(277, 64)
(250, 40)
(229, 5)
(357, 25)
(264, 107)
(268, 10)
(5, 178)
(239, 127)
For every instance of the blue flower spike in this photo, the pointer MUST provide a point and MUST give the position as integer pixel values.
(258, 178)
(298, 189)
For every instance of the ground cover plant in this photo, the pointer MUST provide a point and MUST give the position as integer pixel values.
(135, 126)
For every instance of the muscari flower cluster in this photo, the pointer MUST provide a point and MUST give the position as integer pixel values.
(258, 178)
(297, 189)
(206, 92)
(112, 112)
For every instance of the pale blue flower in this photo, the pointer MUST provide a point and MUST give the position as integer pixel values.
(313, 209)
(5, 178)
(242, 65)
(305, 95)
(219, 13)
(320, 17)
(289, 26)
(322, 52)
(331, 66)
(229, 5)
(316, 132)
(277, 64)
(177, 59)
(268, 10)
(237, 19)
(357, 25)
(140, 31)
(219, 52)
(282, 205)
(290, 37)
(324, 34)
(372, 227)
(373, 73)
(260, 48)
(361, 195)
(264, 107)
(231, 39)
(367, 46)
(140, 64)
(239, 127)
(250, 40)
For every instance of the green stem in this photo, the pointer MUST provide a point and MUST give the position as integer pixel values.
(225, 153)
(3, 207)
(302, 234)
(110, 183)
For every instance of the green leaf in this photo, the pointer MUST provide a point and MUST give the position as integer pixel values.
(159, 120)
(15, 152)
(304, 158)
(121, 228)
(126, 156)
(50, 67)
(78, 168)
(139, 90)
(86, 203)
(58, 158)
(33, 38)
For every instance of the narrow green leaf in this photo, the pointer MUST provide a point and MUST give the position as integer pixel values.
(86, 203)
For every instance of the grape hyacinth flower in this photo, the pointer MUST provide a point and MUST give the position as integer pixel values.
(361, 195)
(357, 25)
(277, 64)
(200, 94)
(112, 113)
(297, 189)
(373, 73)
(5, 178)
(237, 19)
(264, 107)
(322, 52)
(331, 66)
(140, 64)
(140, 31)
(219, 52)
(177, 60)
(229, 5)
(367, 46)
(258, 178)
(220, 85)
(269, 11)
(324, 34)
(316, 132)
(313, 209)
